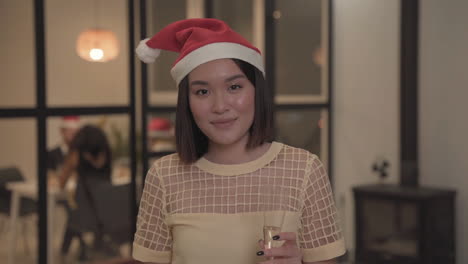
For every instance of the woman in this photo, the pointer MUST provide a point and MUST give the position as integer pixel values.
(210, 202)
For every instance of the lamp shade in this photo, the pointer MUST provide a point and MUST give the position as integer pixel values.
(97, 45)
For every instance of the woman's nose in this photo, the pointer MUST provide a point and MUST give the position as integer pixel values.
(220, 104)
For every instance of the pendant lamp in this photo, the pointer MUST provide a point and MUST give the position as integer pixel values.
(97, 44)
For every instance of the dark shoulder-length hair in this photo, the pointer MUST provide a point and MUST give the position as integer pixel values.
(191, 143)
(92, 139)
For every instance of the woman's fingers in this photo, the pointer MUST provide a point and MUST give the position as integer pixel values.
(285, 251)
(261, 244)
(289, 249)
(287, 236)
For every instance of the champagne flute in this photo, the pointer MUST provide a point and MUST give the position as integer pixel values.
(273, 216)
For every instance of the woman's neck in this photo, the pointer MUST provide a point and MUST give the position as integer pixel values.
(235, 153)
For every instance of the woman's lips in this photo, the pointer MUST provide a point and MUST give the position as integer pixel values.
(223, 123)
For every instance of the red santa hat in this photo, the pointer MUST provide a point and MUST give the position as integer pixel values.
(159, 127)
(198, 40)
(70, 122)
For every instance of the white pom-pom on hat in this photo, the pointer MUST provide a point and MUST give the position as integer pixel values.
(145, 53)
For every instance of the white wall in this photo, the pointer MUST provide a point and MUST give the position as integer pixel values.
(443, 105)
(366, 97)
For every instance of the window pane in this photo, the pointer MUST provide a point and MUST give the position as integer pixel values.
(162, 87)
(17, 70)
(299, 47)
(18, 163)
(72, 80)
(304, 128)
(94, 195)
(237, 14)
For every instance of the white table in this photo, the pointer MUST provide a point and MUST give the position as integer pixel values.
(29, 189)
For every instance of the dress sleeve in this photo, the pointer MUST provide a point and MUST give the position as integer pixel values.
(320, 236)
(153, 240)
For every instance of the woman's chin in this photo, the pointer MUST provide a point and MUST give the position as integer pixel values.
(228, 141)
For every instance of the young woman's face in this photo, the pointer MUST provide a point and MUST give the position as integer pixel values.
(222, 101)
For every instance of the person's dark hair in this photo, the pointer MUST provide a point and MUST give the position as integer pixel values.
(92, 139)
(191, 143)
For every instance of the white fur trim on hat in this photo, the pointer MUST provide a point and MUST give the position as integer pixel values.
(214, 51)
(145, 53)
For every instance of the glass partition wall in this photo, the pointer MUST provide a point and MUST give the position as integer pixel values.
(43, 80)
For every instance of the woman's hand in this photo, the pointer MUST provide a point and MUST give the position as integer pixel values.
(288, 253)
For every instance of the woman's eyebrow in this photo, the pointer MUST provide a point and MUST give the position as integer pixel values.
(230, 79)
(197, 82)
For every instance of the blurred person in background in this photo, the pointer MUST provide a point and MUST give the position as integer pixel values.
(90, 159)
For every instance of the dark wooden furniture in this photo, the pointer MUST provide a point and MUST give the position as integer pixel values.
(404, 225)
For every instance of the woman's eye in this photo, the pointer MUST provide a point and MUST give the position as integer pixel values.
(234, 87)
(201, 92)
